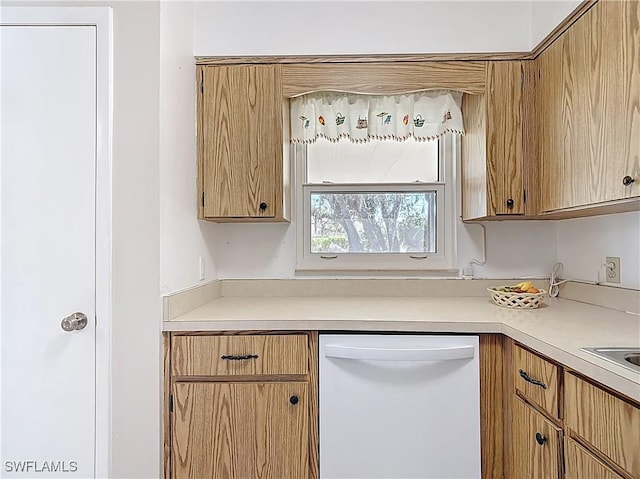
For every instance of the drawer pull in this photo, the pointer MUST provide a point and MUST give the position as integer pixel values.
(529, 379)
(239, 358)
(540, 439)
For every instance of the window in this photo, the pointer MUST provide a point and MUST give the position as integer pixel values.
(378, 205)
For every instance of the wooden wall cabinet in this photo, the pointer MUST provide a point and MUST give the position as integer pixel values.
(559, 136)
(495, 145)
(242, 406)
(589, 121)
(243, 143)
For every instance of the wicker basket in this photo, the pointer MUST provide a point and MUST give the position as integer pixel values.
(517, 300)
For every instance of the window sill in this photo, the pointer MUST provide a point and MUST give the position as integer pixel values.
(404, 273)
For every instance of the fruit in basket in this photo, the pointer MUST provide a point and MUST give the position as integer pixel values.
(523, 287)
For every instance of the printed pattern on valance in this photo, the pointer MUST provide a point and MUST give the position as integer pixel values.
(424, 115)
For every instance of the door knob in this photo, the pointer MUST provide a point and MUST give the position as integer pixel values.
(74, 322)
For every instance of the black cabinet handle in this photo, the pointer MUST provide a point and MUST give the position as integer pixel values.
(627, 180)
(510, 203)
(239, 358)
(529, 379)
(263, 206)
(540, 439)
(293, 400)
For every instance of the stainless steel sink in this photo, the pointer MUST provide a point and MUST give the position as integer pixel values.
(626, 357)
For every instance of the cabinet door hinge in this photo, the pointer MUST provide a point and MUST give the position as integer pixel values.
(201, 82)
(203, 199)
(170, 403)
(524, 196)
(521, 80)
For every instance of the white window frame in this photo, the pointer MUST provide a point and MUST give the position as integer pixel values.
(441, 263)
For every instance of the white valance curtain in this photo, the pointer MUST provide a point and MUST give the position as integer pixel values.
(424, 115)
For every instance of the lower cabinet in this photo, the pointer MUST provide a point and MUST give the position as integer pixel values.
(240, 430)
(245, 406)
(561, 425)
(241, 406)
(536, 444)
(581, 464)
(606, 424)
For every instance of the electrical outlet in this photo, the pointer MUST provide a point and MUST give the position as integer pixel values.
(612, 267)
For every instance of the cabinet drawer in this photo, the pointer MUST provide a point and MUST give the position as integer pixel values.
(609, 424)
(537, 380)
(239, 355)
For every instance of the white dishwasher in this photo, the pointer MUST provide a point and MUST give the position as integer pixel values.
(399, 407)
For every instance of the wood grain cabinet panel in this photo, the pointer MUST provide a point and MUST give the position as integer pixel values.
(607, 423)
(536, 444)
(383, 78)
(537, 380)
(551, 125)
(242, 143)
(581, 464)
(601, 430)
(504, 137)
(240, 430)
(589, 109)
(240, 355)
(493, 146)
(251, 416)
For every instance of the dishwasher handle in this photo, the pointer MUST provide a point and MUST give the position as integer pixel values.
(399, 354)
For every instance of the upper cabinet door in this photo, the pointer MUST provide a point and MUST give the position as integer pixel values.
(616, 90)
(504, 138)
(241, 129)
(492, 148)
(590, 117)
(551, 126)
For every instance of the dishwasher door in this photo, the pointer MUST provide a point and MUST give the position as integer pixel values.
(399, 407)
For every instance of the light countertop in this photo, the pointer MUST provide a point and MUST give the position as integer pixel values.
(557, 330)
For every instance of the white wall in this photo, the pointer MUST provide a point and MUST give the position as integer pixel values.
(183, 239)
(314, 28)
(546, 15)
(583, 244)
(514, 249)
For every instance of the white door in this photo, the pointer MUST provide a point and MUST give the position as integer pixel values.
(48, 250)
